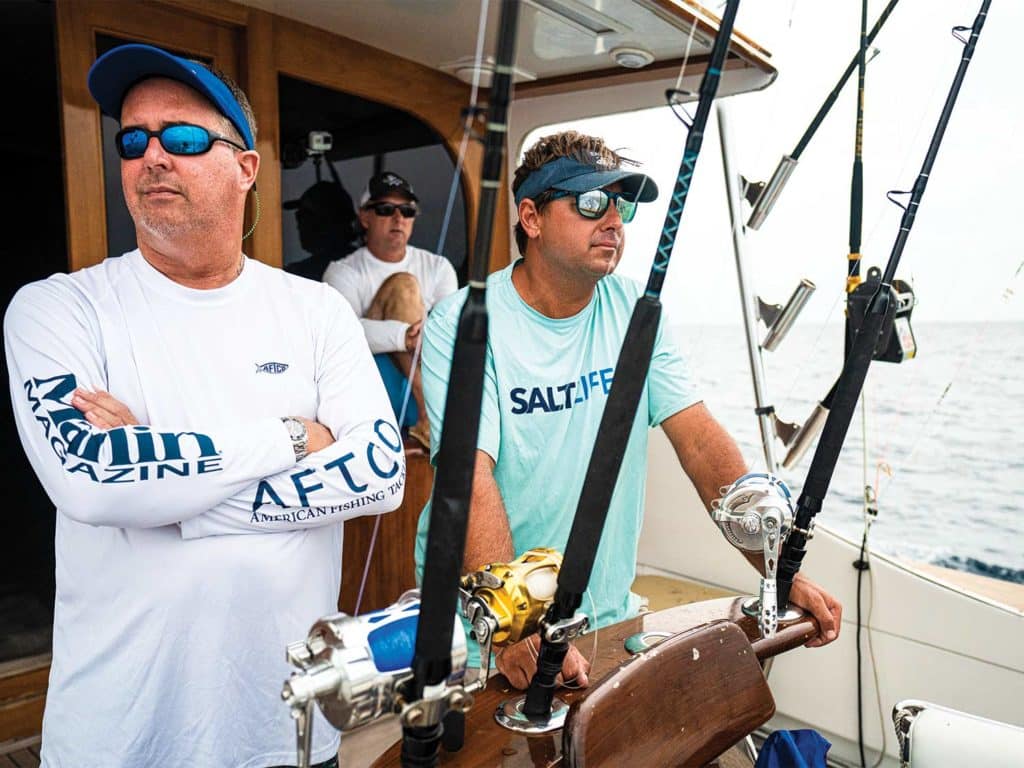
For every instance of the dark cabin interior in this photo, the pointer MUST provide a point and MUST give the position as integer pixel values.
(34, 246)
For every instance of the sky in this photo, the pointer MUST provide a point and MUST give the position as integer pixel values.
(964, 248)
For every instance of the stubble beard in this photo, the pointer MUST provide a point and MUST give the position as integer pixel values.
(167, 220)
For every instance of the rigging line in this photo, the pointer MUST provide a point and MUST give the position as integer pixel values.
(442, 238)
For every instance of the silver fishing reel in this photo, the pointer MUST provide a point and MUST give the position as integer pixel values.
(755, 514)
(354, 666)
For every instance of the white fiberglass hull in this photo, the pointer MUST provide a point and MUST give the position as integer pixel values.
(930, 640)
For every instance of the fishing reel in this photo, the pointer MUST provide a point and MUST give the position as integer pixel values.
(755, 514)
(896, 341)
(354, 668)
(505, 602)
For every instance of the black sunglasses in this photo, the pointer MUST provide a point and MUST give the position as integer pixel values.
(388, 209)
(182, 139)
(593, 204)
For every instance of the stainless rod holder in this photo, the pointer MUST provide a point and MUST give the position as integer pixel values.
(780, 326)
(770, 194)
(805, 436)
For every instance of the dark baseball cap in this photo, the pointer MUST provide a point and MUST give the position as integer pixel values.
(323, 198)
(116, 71)
(384, 184)
(569, 174)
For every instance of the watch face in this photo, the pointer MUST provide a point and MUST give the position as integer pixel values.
(296, 429)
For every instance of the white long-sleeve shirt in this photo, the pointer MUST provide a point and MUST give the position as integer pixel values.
(360, 275)
(169, 637)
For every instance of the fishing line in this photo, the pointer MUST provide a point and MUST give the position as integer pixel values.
(871, 504)
(686, 51)
(862, 564)
(442, 238)
(905, 158)
(880, 467)
(880, 308)
(1006, 294)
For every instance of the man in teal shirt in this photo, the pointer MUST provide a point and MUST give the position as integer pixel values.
(557, 318)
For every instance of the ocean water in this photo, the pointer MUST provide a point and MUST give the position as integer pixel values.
(944, 435)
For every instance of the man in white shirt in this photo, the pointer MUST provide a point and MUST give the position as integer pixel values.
(392, 286)
(202, 423)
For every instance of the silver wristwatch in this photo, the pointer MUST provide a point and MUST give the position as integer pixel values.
(300, 437)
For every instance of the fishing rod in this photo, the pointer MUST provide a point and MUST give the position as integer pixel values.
(453, 481)
(878, 317)
(561, 623)
(769, 193)
(857, 177)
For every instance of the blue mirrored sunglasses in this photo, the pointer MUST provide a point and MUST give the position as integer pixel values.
(593, 204)
(131, 142)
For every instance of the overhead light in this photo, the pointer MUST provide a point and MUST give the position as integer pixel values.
(631, 58)
(466, 69)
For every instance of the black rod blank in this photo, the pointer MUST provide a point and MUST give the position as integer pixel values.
(623, 399)
(834, 94)
(453, 481)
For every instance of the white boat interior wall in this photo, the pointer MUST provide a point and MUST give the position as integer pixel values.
(931, 641)
(540, 105)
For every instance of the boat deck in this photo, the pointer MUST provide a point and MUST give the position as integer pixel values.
(20, 754)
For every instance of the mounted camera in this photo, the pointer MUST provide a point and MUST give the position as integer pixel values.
(319, 142)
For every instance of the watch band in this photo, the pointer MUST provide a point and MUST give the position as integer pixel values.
(299, 436)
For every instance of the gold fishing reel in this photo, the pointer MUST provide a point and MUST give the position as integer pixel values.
(515, 595)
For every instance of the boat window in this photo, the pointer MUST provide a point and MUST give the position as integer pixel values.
(327, 134)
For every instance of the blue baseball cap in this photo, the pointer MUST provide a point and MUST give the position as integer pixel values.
(113, 73)
(569, 174)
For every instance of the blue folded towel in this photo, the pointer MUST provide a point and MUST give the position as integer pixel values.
(793, 749)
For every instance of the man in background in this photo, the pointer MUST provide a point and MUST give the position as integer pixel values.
(392, 286)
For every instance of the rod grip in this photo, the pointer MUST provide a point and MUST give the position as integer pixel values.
(421, 745)
(541, 692)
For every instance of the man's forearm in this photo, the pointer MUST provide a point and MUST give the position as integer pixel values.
(489, 536)
(362, 473)
(706, 452)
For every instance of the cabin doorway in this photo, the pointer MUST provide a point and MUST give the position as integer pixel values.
(365, 137)
(34, 246)
(332, 136)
